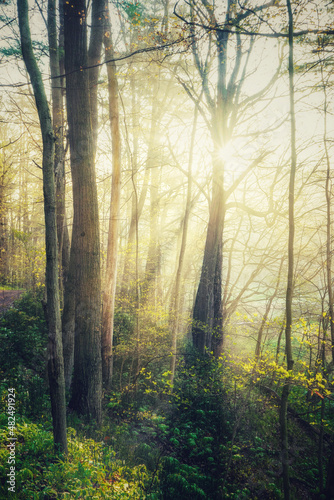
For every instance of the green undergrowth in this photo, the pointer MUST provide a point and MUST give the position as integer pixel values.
(23, 354)
(206, 439)
(91, 470)
(213, 435)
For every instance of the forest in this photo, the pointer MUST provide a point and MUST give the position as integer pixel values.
(166, 249)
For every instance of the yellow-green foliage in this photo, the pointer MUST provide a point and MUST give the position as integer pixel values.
(91, 470)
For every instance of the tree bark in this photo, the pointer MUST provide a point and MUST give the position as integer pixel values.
(94, 58)
(207, 331)
(58, 130)
(64, 245)
(87, 376)
(55, 354)
(111, 270)
(68, 322)
(207, 313)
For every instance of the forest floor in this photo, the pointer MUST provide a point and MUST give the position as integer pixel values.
(7, 297)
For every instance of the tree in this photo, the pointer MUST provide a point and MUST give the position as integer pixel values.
(289, 290)
(223, 114)
(5, 176)
(58, 129)
(111, 266)
(55, 351)
(85, 248)
(175, 300)
(66, 281)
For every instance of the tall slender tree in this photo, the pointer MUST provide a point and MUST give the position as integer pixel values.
(58, 130)
(55, 348)
(111, 266)
(289, 290)
(223, 113)
(175, 301)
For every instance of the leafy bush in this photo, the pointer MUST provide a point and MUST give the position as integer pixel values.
(23, 340)
(181, 481)
(123, 327)
(91, 470)
(199, 425)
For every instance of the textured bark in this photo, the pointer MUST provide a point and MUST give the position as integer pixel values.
(55, 354)
(207, 330)
(85, 247)
(67, 295)
(111, 270)
(61, 178)
(59, 158)
(207, 318)
(68, 322)
(94, 59)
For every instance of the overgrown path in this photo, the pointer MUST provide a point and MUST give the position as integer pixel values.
(7, 297)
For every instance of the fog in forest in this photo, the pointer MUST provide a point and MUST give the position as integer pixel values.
(166, 230)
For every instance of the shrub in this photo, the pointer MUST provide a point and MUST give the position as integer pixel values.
(199, 427)
(91, 470)
(23, 339)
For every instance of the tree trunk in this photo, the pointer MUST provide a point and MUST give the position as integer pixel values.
(59, 158)
(207, 314)
(207, 329)
(67, 269)
(138, 201)
(4, 253)
(152, 262)
(111, 270)
(136, 212)
(328, 189)
(266, 314)
(55, 350)
(85, 249)
(175, 308)
(329, 491)
(68, 322)
(94, 58)
(289, 291)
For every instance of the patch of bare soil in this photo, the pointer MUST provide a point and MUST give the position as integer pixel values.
(7, 297)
